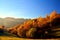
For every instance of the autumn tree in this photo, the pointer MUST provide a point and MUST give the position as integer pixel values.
(30, 32)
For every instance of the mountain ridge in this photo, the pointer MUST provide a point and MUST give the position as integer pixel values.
(9, 21)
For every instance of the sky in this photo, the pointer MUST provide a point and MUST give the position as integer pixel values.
(28, 8)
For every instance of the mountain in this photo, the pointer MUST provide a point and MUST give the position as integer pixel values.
(10, 22)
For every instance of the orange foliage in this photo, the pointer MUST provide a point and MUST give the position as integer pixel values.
(40, 23)
(2, 27)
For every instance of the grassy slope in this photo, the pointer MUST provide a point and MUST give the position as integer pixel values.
(10, 38)
(15, 38)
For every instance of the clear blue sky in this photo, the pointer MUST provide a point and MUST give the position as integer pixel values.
(28, 8)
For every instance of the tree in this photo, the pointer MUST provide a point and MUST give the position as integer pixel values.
(30, 32)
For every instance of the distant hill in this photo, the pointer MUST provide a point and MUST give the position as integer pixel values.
(9, 21)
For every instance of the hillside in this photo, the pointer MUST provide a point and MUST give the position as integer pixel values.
(10, 22)
(48, 27)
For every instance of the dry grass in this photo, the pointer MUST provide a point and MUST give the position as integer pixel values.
(10, 38)
(15, 38)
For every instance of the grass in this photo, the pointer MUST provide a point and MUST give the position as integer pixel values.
(16, 38)
(10, 38)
